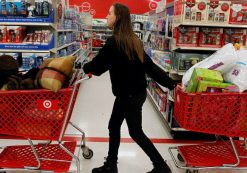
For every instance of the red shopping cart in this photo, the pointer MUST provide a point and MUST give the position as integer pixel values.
(222, 114)
(41, 115)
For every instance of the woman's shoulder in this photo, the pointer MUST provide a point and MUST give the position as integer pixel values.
(111, 41)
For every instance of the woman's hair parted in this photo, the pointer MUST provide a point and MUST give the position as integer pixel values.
(126, 39)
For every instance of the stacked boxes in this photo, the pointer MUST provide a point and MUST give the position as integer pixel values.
(234, 36)
(205, 80)
(238, 13)
(190, 11)
(210, 11)
(210, 37)
(218, 11)
(200, 74)
(187, 36)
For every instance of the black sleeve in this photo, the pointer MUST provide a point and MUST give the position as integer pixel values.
(101, 61)
(157, 74)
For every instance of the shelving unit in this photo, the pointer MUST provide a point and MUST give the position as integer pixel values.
(167, 13)
(55, 24)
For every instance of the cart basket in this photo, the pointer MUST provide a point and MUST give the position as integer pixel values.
(213, 113)
(35, 114)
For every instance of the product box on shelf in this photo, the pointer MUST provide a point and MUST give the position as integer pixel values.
(3, 34)
(238, 13)
(234, 36)
(42, 8)
(33, 60)
(28, 61)
(203, 74)
(181, 62)
(15, 8)
(15, 34)
(190, 11)
(209, 86)
(210, 37)
(218, 11)
(186, 36)
(3, 11)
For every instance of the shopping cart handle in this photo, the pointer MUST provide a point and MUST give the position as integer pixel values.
(86, 76)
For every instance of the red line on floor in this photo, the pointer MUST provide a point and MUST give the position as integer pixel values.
(123, 140)
(129, 140)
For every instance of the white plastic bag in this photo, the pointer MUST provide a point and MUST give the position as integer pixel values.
(223, 60)
(238, 74)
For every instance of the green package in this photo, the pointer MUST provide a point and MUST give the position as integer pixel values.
(204, 85)
(200, 74)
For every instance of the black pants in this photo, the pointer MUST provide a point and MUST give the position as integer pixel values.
(130, 109)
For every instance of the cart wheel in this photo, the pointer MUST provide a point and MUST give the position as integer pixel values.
(180, 158)
(88, 155)
(188, 171)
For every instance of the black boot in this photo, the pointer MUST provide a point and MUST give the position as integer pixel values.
(108, 167)
(161, 169)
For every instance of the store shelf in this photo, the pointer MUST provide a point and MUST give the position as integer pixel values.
(211, 25)
(176, 72)
(64, 46)
(11, 47)
(24, 51)
(198, 48)
(29, 21)
(66, 30)
(156, 105)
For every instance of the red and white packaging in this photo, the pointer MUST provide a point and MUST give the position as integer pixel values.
(15, 34)
(187, 36)
(238, 14)
(210, 37)
(234, 36)
(190, 11)
(3, 34)
(218, 11)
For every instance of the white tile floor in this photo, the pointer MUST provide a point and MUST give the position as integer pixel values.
(92, 112)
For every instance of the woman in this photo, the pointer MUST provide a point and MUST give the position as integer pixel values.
(123, 55)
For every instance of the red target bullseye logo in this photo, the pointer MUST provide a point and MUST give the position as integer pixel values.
(86, 6)
(47, 104)
(153, 5)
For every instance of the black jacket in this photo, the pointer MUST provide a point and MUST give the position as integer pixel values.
(127, 77)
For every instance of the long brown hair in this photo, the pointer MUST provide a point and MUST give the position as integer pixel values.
(126, 39)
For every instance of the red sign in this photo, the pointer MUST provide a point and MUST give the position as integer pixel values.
(100, 10)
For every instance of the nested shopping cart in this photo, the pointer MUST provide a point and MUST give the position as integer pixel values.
(221, 114)
(41, 115)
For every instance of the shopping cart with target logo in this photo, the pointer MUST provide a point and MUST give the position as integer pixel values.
(41, 115)
(221, 114)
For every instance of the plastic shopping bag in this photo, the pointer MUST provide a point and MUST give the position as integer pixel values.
(223, 60)
(238, 74)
